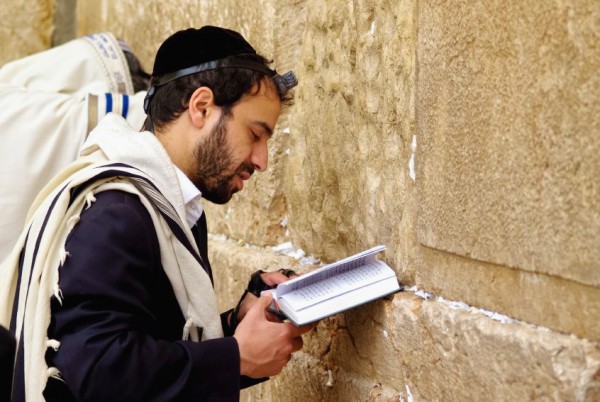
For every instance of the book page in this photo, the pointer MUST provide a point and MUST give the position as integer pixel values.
(328, 271)
(345, 301)
(352, 278)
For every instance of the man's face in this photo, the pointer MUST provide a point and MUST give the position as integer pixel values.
(236, 146)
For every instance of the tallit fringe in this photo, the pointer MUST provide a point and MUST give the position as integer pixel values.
(191, 285)
(89, 199)
(63, 256)
(190, 331)
(74, 220)
(53, 372)
(53, 343)
(57, 293)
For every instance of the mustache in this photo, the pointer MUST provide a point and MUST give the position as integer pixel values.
(245, 167)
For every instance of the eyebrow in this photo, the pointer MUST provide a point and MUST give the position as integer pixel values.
(265, 127)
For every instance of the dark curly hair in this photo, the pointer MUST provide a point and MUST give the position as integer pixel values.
(228, 86)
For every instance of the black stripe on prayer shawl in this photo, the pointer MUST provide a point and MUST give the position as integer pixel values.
(162, 205)
(13, 315)
(148, 188)
(18, 380)
(18, 391)
(39, 238)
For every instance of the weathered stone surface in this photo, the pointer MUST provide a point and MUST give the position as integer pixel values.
(24, 33)
(436, 354)
(348, 184)
(507, 126)
(557, 303)
(500, 100)
(65, 21)
(338, 167)
(433, 349)
(233, 264)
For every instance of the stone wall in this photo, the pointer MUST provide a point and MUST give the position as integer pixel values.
(25, 33)
(463, 136)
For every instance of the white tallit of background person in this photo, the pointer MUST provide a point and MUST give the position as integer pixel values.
(49, 102)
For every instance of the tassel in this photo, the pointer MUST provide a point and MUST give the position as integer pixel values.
(190, 332)
(72, 222)
(186, 329)
(63, 256)
(53, 343)
(89, 199)
(53, 372)
(58, 293)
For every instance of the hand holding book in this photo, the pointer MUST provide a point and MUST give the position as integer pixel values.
(334, 288)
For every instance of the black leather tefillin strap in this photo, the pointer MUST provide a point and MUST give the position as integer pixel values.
(255, 286)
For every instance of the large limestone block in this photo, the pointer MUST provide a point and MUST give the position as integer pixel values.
(24, 33)
(348, 183)
(435, 351)
(430, 348)
(508, 129)
(550, 301)
(65, 21)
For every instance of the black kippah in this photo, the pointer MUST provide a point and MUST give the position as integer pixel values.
(208, 48)
(192, 47)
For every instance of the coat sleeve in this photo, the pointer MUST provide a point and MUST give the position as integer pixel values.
(116, 327)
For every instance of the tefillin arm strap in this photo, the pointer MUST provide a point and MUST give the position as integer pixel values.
(255, 286)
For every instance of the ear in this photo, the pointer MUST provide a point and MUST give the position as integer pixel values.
(201, 106)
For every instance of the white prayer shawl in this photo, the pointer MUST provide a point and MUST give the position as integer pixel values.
(49, 102)
(54, 215)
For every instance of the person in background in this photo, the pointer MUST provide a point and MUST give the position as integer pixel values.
(109, 289)
(49, 102)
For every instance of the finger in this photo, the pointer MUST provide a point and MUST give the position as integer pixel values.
(273, 317)
(297, 343)
(288, 272)
(259, 305)
(264, 300)
(273, 278)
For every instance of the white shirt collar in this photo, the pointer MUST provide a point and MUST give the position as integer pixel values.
(192, 198)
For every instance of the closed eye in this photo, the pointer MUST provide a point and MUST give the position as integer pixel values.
(264, 128)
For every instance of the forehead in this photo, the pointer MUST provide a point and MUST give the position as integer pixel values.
(261, 105)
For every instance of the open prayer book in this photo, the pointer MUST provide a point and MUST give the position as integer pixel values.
(334, 288)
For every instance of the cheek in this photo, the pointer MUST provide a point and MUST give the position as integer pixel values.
(240, 151)
(238, 159)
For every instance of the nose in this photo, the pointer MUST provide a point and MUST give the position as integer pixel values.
(260, 156)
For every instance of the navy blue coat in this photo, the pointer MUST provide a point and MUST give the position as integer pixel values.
(7, 356)
(119, 324)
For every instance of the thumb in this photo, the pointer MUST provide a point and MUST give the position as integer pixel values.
(265, 300)
(261, 305)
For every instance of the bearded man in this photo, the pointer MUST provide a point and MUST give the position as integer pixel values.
(109, 290)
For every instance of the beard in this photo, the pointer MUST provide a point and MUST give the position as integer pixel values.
(214, 159)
